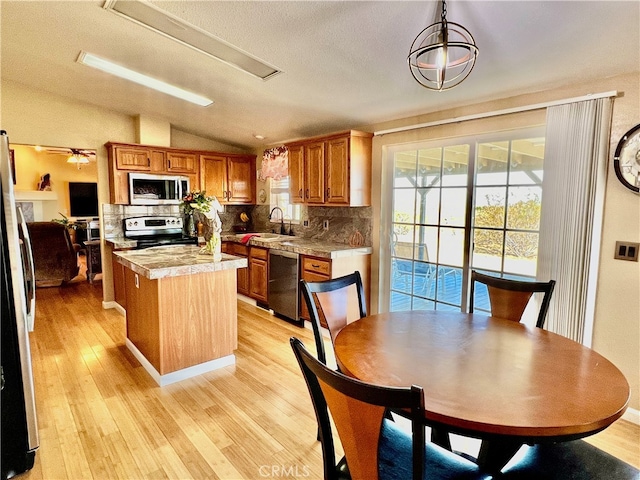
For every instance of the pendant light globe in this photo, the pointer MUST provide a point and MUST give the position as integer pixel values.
(442, 55)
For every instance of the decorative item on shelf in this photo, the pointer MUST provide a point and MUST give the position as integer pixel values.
(356, 239)
(45, 183)
(203, 208)
(275, 163)
(442, 55)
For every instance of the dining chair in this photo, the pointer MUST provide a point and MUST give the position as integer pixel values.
(509, 298)
(577, 460)
(328, 305)
(375, 447)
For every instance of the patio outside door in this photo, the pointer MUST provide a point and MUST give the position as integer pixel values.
(469, 204)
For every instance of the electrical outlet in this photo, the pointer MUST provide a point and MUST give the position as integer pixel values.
(305, 223)
(325, 224)
(627, 251)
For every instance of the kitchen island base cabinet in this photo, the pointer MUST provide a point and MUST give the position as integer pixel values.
(156, 326)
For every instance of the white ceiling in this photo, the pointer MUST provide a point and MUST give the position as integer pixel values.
(344, 62)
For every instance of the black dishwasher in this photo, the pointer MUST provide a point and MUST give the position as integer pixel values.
(283, 284)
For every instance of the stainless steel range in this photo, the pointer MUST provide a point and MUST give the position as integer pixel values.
(156, 231)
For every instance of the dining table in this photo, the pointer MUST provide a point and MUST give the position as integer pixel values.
(497, 380)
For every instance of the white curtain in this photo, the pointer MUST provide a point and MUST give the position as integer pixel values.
(575, 169)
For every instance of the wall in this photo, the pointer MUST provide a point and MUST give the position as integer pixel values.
(31, 165)
(617, 319)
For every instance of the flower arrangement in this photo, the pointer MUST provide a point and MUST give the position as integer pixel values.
(196, 201)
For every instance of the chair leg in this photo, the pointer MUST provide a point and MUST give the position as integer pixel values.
(440, 437)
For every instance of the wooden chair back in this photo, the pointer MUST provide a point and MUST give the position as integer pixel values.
(509, 298)
(328, 303)
(358, 410)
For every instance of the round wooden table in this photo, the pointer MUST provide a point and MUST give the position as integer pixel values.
(487, 377)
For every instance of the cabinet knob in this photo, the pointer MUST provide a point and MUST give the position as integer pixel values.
(328, 192)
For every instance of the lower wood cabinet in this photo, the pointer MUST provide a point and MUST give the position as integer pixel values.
(316, 269)
(252, 280)
(258, 273)
(240, 250)
(119, 287)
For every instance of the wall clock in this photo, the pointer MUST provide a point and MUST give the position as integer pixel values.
(626, 160)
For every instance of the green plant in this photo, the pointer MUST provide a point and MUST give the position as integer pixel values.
(68, 223)
(196, 201)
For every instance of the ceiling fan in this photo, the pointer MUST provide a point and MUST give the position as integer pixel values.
(78, 152)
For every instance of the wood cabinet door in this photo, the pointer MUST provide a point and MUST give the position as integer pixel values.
(214, 176)
(131, 158)
(182, 162)
(156, 160)
(313, 270)
(241, 180)
(242, 275)
(337, 168)
(314, 172)
(296, 174)
(258, 282)
(119, 288)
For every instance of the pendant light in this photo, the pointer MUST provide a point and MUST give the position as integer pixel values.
(442, 55)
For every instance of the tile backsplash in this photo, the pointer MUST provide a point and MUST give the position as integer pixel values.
(343, 222)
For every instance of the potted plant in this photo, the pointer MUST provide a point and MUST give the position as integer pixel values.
(71, 226)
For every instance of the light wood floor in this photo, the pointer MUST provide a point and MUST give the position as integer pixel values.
(101, 416)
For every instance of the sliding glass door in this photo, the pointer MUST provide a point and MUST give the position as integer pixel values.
(459, 205)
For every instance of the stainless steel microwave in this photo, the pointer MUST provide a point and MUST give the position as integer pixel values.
(154, 189)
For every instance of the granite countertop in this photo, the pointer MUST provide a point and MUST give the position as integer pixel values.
(173, 261)
(302, 246)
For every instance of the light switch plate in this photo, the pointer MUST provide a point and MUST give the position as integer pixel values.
(626, 251)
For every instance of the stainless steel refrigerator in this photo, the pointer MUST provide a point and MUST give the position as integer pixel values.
(19, 424)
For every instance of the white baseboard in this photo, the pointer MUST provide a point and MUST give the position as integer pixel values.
(632, 415)
(179, 375)
(116, 305)
(248, 300)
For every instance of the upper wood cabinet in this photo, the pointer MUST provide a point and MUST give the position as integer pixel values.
(331, 170)
(182, 162)
(296, 173)
(231, 178)
(132, 158)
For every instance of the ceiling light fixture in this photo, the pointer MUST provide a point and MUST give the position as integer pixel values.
(119, 71)
(77, 158)
(442, 55)
(147, 14)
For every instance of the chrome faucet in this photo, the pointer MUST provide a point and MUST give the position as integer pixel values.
(282, 229)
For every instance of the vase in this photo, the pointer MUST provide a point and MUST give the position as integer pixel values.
(189, 225)
(213, 246)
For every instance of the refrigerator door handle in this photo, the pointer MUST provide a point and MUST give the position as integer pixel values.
(31, 294)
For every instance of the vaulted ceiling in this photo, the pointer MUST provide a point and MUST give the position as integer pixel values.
(343, 62)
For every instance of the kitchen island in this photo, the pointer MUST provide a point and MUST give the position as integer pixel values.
(181, 310)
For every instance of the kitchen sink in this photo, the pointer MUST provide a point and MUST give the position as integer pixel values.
(265, 236)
